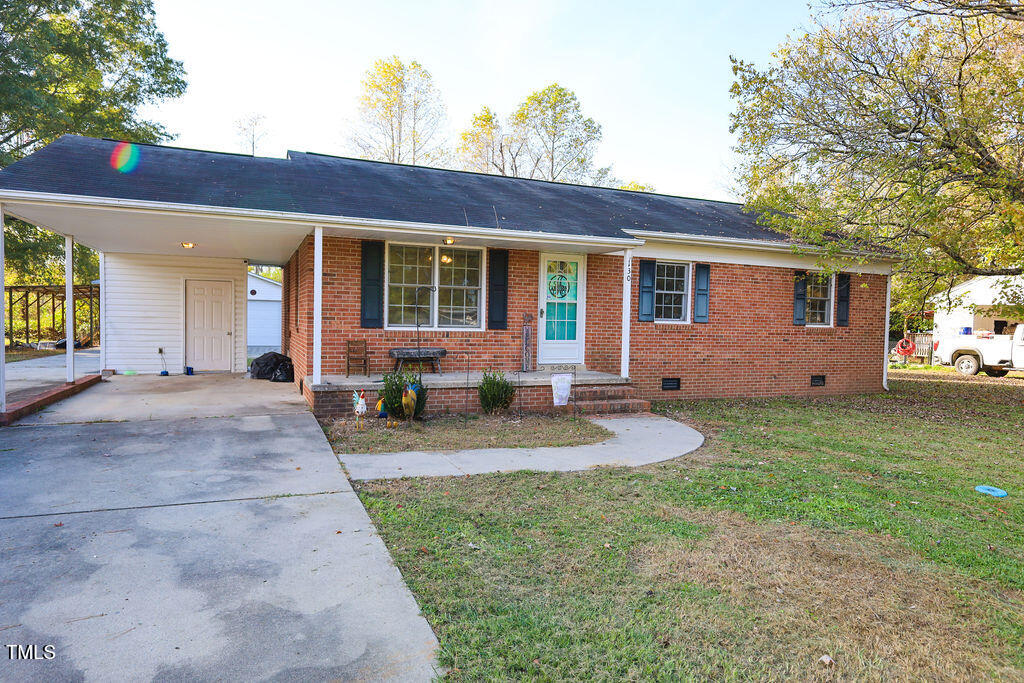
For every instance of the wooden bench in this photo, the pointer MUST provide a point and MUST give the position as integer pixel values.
(431, 354)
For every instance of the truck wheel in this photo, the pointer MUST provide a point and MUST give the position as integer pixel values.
(967, 365)
(995, 372)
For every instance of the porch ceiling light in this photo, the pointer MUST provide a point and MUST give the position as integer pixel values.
(448, 241)
(188, 245)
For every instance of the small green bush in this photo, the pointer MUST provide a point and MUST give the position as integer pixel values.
(394, 384)
(496, 392)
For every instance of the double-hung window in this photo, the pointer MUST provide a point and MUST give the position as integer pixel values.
(819, 299)
(672, 292)
(437, 286)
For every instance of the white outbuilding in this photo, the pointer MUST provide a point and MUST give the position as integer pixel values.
(263, 315)
(967, 307)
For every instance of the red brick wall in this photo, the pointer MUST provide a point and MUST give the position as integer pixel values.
(297, 309)
(603, 348)
(498, 349)
(535, 399)
(751, 347)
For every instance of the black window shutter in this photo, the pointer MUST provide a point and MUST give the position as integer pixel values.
(702, 293)
(497, 289)
(843, 300)
(372, 285)
(800, 298)
(647, 273)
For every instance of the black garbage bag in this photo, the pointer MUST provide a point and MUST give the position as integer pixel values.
(285, 372)
(267, 366)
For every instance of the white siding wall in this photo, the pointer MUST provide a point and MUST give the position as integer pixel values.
(264, 323)
(144, 297)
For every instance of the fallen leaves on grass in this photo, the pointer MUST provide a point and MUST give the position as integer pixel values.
(847, 593)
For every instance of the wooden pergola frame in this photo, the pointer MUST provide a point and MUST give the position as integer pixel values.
(55, 296)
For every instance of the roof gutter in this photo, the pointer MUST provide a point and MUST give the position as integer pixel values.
(739, 243)
(324, 220)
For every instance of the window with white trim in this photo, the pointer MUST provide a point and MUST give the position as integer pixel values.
(671, 292)
(456, 275)
(819, 299)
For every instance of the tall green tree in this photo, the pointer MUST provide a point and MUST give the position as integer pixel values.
(76, 66)
(489, 146)
(561, 141)
(401, 114)
(897, 132)
(547, 137)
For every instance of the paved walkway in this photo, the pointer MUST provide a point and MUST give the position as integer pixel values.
(639, 440)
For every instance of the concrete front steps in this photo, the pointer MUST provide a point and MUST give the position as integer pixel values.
(607, 398)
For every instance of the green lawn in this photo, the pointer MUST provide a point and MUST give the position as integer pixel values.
(843, 526)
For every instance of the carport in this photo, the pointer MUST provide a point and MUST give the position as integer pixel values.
(153, 252)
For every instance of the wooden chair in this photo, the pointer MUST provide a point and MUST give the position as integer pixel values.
(356, 356)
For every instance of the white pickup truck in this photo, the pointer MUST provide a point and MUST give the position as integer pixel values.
(995, 354)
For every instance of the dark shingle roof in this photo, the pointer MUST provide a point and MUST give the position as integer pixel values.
(337, 186)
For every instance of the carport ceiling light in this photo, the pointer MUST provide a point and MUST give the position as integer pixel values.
(449, 241)
(188, 245)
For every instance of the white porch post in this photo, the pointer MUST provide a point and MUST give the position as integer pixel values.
(627, 308)
(885, 334)
(69, 306)
(318, 301)
(103, 313)
(3, 321)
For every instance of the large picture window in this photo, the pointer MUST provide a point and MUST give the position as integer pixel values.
(819, 299)
(671, 292)
(455, 274)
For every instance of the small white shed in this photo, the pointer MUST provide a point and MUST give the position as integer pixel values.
(263, 314)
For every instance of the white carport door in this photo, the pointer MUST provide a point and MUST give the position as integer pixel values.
(208, 306)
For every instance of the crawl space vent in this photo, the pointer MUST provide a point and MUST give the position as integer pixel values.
(670, 384)
(817, 380)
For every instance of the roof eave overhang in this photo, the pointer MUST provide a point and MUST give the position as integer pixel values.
(313, 220)
(753, 244)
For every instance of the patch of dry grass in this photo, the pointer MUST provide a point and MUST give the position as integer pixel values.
(861, 599)
(462, 432)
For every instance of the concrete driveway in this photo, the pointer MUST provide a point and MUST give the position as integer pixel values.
(28, 377)
(229, 548)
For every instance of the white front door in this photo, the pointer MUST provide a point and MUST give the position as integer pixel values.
(208, 322)
(563, 289)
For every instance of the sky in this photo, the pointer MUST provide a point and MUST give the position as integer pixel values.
(655, 75)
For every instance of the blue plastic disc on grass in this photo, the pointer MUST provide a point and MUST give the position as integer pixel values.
(991, 490)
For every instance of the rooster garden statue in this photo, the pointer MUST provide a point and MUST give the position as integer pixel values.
(359, 408)
(382, 412)
(409, 402)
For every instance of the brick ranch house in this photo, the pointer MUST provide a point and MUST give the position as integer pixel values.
(641, 295)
